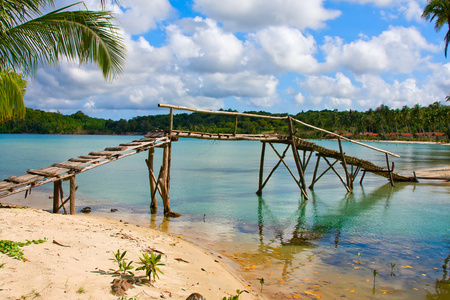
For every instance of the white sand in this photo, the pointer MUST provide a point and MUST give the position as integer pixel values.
(83, 269)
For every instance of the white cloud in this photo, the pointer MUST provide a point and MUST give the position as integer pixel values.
(338, 90)
(289, 49)
(206, 47)
(140, 16)
(397, 49)
(380, 3)
(299, 98)
(412, 11)
(244, 15)
(395, 95)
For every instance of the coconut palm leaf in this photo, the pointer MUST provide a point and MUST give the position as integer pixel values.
(86, 36)
(12, 89)
(439, 10)
(29, 39)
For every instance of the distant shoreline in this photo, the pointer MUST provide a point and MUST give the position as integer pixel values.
(357, 140)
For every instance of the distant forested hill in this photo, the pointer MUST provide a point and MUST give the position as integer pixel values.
(432, 122)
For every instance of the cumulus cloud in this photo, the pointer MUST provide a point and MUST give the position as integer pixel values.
(139, 16)
(288, 48)
(395, 94)
(338, 91)
(412, 10)
(208, 48)
(245, 15)
(397, 49)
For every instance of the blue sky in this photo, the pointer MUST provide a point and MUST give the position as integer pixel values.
(272, 55)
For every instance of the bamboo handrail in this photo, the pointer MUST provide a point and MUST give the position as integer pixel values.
(347, 139)
(219, 112)
(273, 117)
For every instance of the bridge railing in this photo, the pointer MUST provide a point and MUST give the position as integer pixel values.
(236, 114)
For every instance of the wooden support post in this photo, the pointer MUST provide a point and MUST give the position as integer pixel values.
(297, 158)
(362, 177)
(164, 179)
(56, 189)
(389, 170)
(315, 173)
(337, 174)
(152, 180)
(171, 122)
(61, 196)
(323, 173)
(344, 165)
(306, 161)
(281, 157)
(354, 174)
(261, 168)
(73, 188)
(235, 124)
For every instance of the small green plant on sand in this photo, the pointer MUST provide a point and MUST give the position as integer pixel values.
(126, 298)
(81, 290)
(123, 266)
(392, 270)
(13, 249)
(261, 281)
(375, 274)
(150, 264)
(235, 297)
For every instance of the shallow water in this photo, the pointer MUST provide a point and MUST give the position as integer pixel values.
(326, 247)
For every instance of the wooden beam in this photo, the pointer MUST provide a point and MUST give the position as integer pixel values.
(391, 179)
(347, 139)
(56, 188)
(73, 188)
(261, 168)
(311, 186)
(344, 165)
(164, 179)
(297, 161)
(323, 173)
(337, 174)
(273, 170)
(218, 112)
(152, 180)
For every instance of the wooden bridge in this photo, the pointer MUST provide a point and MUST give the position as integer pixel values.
(59, 172)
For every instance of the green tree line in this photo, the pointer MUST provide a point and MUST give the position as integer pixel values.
(381, 121)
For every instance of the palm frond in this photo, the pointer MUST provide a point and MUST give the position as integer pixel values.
(439, 10)
(89, 36)
(12, 89)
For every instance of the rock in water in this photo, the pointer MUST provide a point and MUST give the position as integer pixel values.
(195, 296)
(86, 210)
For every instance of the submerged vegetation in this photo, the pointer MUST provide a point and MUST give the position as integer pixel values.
(418, 123)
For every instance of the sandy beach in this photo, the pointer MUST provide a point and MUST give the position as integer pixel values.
(440, 173)
(74, 262)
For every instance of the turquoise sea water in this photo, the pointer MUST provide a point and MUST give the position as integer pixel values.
(326, 247)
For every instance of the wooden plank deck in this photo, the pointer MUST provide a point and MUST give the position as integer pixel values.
(59, 171)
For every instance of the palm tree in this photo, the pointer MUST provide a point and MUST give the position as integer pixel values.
(439, 9)
(29, 39)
